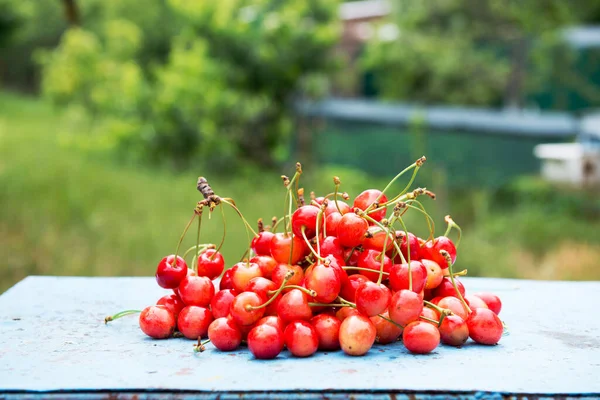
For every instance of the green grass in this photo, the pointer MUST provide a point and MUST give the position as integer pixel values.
(64, 211)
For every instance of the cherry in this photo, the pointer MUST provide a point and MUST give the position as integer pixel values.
(243, 308)
(357, 335)
(272, 320)
(242, 273)
(375, 239)
(210, 264)
(173, 303)
(305, 218)
(405, 307)
(454, 305)
(265, 341)
(431, 314)
(157, 322)
(331, 207)
(372, 298)
(294, 306)
(399, 276)
(414, 247)
(434, 274)
(348, 290)
(454, 331)
(345, 312)
(325, 281)
(281, 271)
(475, 302)
(261, 244)
(190, 272)
(332, 222)
(193, 322)
(493, 302)
(370, 259)
(331, 245)
(351, 230)
(328, 330)
(221, 302)
(484, 326)
(447, 289)
(261, 286)
(301, 339)
(283, 245)
(386, 331)
(196, 291)
(226, 281)
(351, 256)
(169, 274)
(420, 337)
(435, 300)
(431, 250)
(224, 334)
(266, 264)
(368, 197)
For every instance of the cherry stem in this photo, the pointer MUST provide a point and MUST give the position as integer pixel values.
(390, 321)
(120, 314)
(433, 321)
(201, 248)
(335, 193)
(344, 301)
(181, 238)
(349, 255)
(413, 165)
(329, 305)
(380, 278)
(410, 280)
(434, 306)
(237, 210)
(459, 273)
(446, 255)
(319, 216)
(452, 224)
(314, 253)
(224, 234)
(367, 217)
(199, 348)
(309, 292)
(421, 209)
(286, 278)
(363, 269)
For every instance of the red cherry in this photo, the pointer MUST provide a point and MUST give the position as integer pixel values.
(190, 272)
(446, 289)
(261, 286)
(431, 314)
(301, 339)
(474, 301)
(351, 256)
(331, 246)
(348, 290)
(370, 259)
(375, 239)
(493, 302)
(420, 337)
(193, 322)
(173, 303)
(405, 307)
(332, 221)
(454, 331)
(328, 330)
(210, 264)
(281, 247)
(351, 230)
(224, 334)
(434, 274)
(157, 322)
(226, 282)
(455, 305)
(368, 197)
(261, 244)
(196, 291)
(294, 306)
(431, 250)
(265, 341)
(281, 271)
(372, 298)
(386, 331)
(243, 309)
(305, 218)
(272, 320)
(242, 273)
(399, 276)
(331, 207)
(221, 302)
(357, 335)
(414, 247)
(266, 264)
(169, 274)
(484, 326)
(325, 281)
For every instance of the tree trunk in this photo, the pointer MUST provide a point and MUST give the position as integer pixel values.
(72, 12)
(513, 97)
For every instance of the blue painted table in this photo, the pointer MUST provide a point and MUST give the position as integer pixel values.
(53, 342)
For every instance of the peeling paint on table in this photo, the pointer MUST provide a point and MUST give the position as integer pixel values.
(53, 342)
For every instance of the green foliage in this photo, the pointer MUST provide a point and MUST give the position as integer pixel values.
(470, 51)
(222, 91)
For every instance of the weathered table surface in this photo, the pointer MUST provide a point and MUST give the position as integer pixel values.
(53, 341)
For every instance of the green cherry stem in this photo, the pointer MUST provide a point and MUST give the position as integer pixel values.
(120, 314)
(390, 321)
(433, 321)
(182, 236)
(314, 253)
(385, 241)
(309, 292)
(410, 283)
(452, 224)
(446, 255)
(328, 305)
(421, 209)
(286, 278)
(361, 269)
(200, 346)
(416, 165)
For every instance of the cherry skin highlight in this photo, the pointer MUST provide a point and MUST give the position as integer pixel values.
(357, 335)
(283, 245)
(221, 302)
(301, 339)
(420, 337)
(399, 276)
(224, 334)
(266, 264)
(325, 281)
(370, 259)
(368, 197)
(173, 303)
(328, 331)
(351, 230)
(265, 342)
(242, 273)
(210, 264)
(405, 307)
(493, 302)
(372, 298)
(454, 331)
(294, 306)
(242, 310)
(226, 281)
(196, 291)
(157, 322)
(261, 244)
(484, 326)
(169, 273)
(193, 322)
(305, 218)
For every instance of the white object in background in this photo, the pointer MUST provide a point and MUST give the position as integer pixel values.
(573, 163)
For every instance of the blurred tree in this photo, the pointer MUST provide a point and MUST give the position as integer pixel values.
(175, 80)
(481, 52)
(71, 12)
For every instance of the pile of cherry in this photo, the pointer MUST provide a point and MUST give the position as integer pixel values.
(335, 276)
